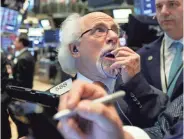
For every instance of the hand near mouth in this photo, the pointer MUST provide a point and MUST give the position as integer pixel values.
(127, 60)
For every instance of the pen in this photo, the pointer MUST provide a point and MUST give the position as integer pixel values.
(105, 100)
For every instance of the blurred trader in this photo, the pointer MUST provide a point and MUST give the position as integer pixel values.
(24, 63)
(96, 120)
(23, 73)
(162, 63)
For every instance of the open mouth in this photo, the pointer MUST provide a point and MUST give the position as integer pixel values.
(108, 54)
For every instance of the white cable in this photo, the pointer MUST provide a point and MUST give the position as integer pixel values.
(124, 114)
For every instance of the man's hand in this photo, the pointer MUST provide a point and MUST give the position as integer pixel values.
(127, 61)
(93, 120)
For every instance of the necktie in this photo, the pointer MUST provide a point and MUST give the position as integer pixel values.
(175, 66)
(101, 85)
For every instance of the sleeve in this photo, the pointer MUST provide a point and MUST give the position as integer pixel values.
(144, 102)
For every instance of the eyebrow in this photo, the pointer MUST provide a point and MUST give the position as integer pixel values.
(167, 2)
(99, 24)
(102, 24)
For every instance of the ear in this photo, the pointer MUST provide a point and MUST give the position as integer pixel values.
(75, 54)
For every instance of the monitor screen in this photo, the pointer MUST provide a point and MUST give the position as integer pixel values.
(52, 36)
(35, 32)
(45, 23)
(10, 20)
(6, 42)
(121, 13)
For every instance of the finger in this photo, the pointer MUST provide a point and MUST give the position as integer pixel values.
(63, 102)
(120, 59)
(69, 129)
(104, 116)
(119, 64)
(122, 49)
(123, 54)
(82, 90)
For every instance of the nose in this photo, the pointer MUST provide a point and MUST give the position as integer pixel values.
(165, 10)
(112, 37)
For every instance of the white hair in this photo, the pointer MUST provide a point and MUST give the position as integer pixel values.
(70, 33)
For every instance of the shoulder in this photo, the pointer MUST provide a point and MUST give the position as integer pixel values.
(155, 45)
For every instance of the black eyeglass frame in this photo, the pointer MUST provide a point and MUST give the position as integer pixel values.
(91, 29)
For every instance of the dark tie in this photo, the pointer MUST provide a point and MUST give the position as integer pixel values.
(101, 85)
(175, 66)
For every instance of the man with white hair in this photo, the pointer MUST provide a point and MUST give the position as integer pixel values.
(90, 50)
(89, 41)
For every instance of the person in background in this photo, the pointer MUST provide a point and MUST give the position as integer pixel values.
(24, 63)
(23, 73)
(161, 60)
(97, 120)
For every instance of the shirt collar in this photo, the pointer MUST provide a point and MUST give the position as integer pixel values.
(109, 83)
(83, 78)
(169, 41)
(21, 51)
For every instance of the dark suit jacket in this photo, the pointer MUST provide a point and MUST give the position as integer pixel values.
(143, 102)
(147, 106)
(151, 68)
(24, 69)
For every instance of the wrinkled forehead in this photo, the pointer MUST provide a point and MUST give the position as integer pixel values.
(167, 1)
(90, 20)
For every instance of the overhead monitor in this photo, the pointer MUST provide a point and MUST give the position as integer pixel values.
(45, 23)
(100, 3)
(52, 36)
(35, 32)
(10, 20)
(121, 15)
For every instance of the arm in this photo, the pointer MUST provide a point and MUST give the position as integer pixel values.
(145, 102)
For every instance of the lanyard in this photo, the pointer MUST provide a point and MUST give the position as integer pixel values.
(167, 86)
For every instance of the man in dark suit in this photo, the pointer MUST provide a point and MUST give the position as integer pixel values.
(159, 57)
(23, 70)
(23, 73)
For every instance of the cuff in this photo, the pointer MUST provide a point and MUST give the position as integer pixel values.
(137, 85)
(136, 132)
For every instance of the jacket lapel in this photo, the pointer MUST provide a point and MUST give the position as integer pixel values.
(152, 61)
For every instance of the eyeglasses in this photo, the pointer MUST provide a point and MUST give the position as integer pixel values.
(100, 31)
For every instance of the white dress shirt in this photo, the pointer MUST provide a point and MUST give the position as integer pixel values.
(169, 54)
(17, 53)
(109, 82)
